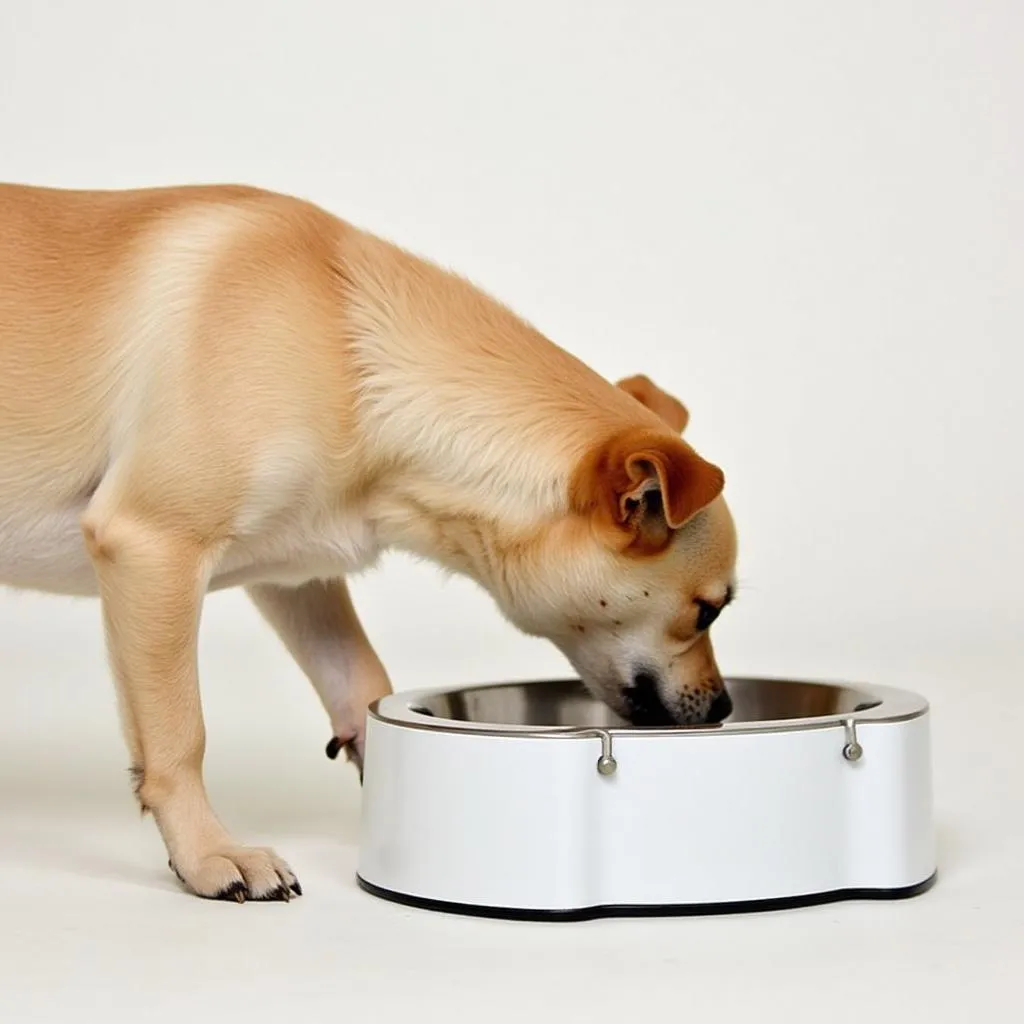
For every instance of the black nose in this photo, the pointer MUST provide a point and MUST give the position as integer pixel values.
(644, 702)
(721, 708)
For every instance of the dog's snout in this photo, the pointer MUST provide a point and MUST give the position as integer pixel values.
(721, 707)
(644, 703)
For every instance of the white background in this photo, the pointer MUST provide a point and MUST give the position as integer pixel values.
(805, 219)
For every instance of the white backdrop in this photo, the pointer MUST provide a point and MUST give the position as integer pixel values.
(805, 219)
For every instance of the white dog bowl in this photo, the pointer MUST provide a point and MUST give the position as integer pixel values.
(533, 800)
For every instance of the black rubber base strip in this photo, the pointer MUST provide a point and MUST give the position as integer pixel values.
(648, 910)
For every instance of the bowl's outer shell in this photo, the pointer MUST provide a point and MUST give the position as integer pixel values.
(689, 817)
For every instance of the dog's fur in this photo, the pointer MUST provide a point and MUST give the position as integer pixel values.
(206, 387)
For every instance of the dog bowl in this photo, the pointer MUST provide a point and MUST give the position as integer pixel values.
(534, 800)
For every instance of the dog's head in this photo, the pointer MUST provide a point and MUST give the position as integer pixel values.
(629, 584)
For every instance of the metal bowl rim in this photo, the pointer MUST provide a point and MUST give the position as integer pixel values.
(894, 705)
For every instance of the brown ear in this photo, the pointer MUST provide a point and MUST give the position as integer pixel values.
(647, 393)
(644, 484)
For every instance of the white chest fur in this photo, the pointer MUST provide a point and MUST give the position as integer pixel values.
(300, 548)
(291, 528)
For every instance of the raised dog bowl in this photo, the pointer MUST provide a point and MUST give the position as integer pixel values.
(534, 800)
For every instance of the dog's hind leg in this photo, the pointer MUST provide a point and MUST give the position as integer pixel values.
(319, 626)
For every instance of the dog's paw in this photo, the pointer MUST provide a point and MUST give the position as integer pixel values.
(239, 873)
(353, 749)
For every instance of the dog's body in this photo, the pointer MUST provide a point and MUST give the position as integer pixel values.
(219, 386)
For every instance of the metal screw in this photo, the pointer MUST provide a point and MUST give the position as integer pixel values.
(853, 751)
(606, 764)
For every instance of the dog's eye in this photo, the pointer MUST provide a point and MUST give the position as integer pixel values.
(706, 614)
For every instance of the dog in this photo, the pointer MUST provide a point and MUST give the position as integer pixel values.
(215, 386)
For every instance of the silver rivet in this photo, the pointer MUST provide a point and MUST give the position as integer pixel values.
(606, 764)
(853, 751)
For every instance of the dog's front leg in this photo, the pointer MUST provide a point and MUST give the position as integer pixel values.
(151, 584)
(320, 628)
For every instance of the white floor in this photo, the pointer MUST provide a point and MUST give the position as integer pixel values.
(95, 928)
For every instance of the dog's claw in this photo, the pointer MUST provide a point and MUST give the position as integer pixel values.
(238, 892)
(351, 751)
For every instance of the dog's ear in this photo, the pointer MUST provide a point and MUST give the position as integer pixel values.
(647, 393)
(644, 484)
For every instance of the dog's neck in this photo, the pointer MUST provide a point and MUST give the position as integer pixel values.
(478, 421)
(465, 399)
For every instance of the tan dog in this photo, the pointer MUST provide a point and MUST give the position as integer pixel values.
(209, 387)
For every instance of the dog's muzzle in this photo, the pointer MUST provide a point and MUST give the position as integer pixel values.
(645, 707)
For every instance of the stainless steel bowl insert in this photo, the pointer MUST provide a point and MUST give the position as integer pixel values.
(566, 704)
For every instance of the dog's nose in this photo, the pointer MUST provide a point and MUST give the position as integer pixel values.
(644, 702)
(721, 708)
